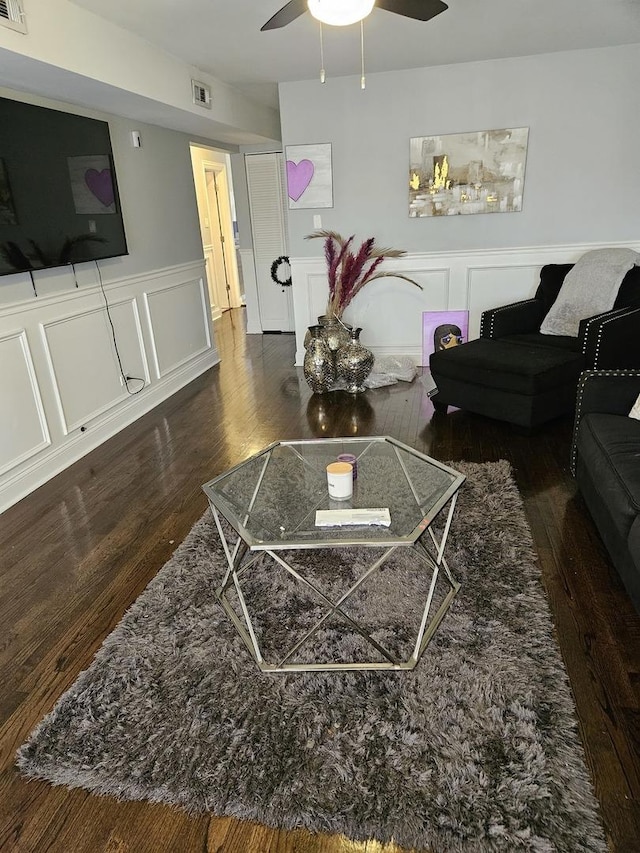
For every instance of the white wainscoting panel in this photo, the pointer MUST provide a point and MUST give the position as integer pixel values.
(61, 384)
(490, 286)
(127, 326)
(84, 369)
(170, 310)
(390, 311)
(23, 423)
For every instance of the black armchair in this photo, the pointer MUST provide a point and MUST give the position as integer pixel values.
(514, 373)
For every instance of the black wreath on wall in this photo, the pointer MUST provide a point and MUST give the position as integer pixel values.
(275, 268)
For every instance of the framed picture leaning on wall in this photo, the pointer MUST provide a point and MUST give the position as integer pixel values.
(442, 330)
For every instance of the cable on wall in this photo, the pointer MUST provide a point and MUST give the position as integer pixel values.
(125, 377)
(363, 81)
(323, 76)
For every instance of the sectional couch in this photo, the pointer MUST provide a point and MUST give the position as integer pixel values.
(605, 459)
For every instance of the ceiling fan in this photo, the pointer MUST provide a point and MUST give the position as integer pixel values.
(419, 10)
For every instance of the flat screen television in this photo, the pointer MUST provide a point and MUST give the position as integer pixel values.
(59, 200)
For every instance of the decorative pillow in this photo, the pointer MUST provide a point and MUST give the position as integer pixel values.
(589, 288)
(635, 411)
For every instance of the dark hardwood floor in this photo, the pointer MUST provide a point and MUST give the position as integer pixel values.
(77, 552)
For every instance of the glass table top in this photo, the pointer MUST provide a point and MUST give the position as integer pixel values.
(271, 498)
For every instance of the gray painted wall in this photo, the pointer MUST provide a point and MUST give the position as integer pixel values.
(158, 197)
(582, 180)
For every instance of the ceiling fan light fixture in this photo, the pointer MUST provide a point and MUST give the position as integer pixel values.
(340, 13)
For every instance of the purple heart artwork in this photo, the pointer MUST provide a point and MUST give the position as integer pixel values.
(101, 185)
(299, 177)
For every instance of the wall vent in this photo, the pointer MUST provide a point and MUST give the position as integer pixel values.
(201, 93)
(12, 15)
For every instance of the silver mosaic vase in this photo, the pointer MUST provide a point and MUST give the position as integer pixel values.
(354, 363)
(327, 320)
(336, 333)
(319, 363)
(307, 334)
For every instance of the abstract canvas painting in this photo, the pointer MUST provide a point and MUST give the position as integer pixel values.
(309, 176)
(459, 173)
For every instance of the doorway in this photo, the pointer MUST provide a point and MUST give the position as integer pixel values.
(218, 227)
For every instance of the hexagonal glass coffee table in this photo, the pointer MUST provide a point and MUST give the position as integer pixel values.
(265, 509)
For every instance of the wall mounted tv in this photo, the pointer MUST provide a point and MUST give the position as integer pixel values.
(59, 199)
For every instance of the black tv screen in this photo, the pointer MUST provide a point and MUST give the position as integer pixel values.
(59, 199)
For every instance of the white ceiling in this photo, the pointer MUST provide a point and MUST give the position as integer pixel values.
(223, 38)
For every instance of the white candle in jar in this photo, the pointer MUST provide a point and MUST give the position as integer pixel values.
(340, 480)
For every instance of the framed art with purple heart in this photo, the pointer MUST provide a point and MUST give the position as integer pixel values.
(92, 184)
(309, 175)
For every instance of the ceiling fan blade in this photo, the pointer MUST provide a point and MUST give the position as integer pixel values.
(420, 10)
(284, 16)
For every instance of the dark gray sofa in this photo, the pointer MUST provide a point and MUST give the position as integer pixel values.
(605, 459)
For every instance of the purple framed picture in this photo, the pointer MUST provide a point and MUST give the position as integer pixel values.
(443, 330)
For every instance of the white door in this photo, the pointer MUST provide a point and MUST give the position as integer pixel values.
(267, 197)
(215, 211)
(221, 254)
(216, 261)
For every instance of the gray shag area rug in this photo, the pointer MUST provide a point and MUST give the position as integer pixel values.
(475, 750)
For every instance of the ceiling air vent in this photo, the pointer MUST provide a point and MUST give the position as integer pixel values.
(12, 15)
(201, 93)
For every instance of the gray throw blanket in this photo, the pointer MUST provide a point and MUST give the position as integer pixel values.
(589, 288)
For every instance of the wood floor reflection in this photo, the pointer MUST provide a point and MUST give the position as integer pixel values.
(77, 552)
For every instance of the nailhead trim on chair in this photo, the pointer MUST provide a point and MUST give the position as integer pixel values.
(603, 319)
(494, 312)
(590, 322)
(585, 376)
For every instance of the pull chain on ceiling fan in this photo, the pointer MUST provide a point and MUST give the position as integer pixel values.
(323, 75)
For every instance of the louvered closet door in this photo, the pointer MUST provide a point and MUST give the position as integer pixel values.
(265, 181)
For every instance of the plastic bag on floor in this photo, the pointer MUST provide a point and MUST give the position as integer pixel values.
(379, 380)
(399, 366)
